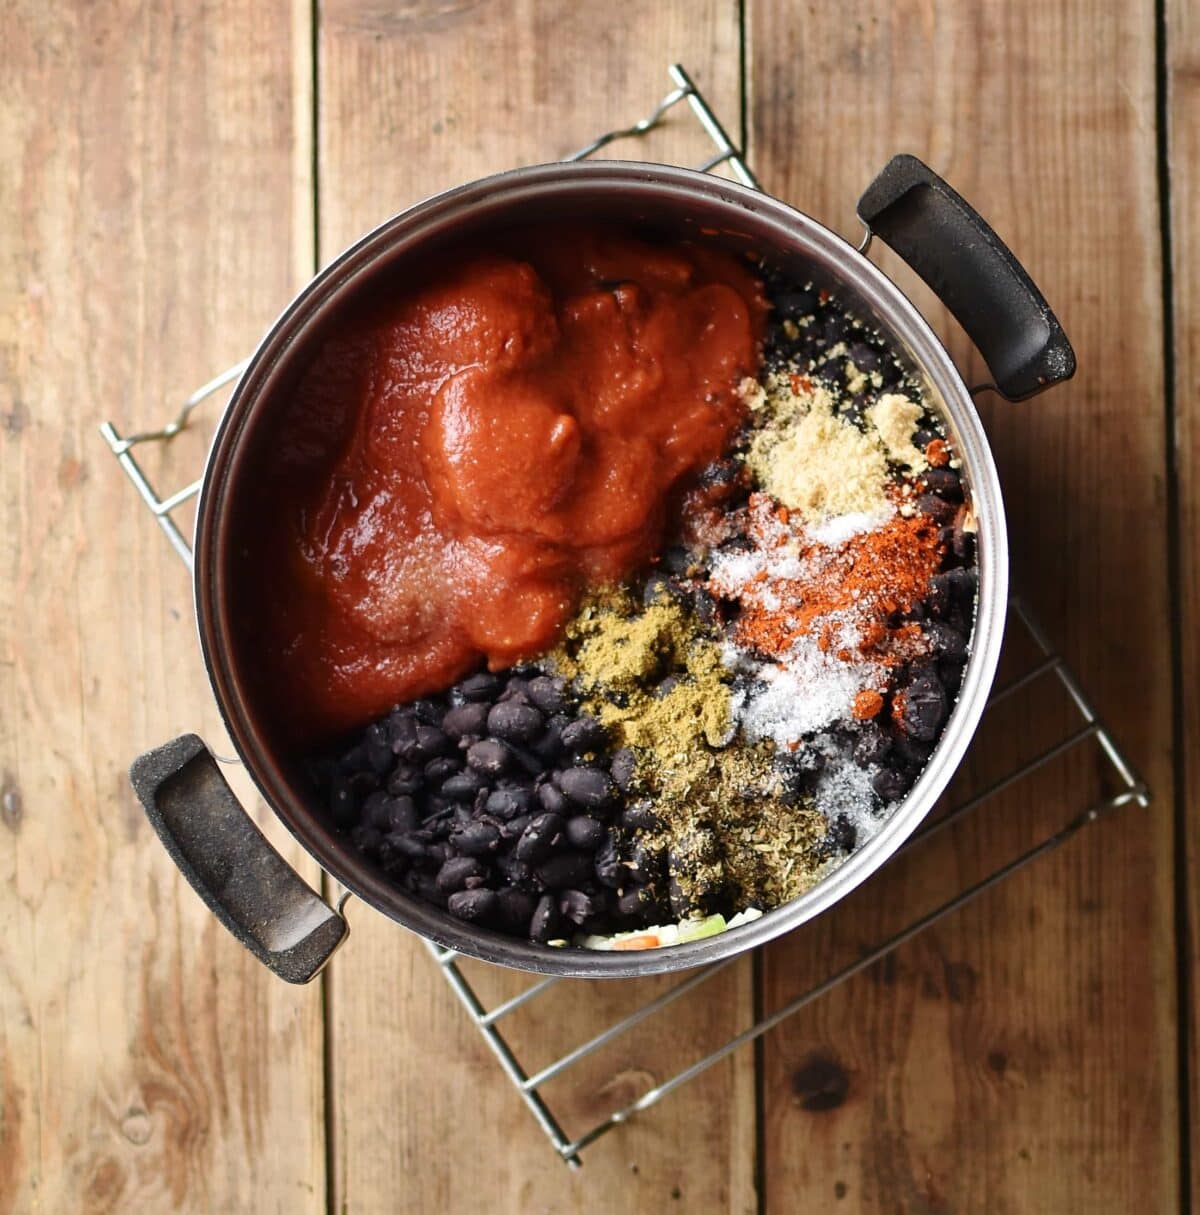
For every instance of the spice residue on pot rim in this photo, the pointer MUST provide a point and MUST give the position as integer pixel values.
(724, 576)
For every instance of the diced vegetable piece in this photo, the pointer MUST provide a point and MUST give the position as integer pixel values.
(697, 930)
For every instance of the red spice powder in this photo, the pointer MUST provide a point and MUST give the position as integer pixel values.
(867, 578)
(937, 453)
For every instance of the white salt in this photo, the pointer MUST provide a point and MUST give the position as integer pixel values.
(836, 531)
(844, 789)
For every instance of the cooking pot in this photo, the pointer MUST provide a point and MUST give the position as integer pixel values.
(245, 882)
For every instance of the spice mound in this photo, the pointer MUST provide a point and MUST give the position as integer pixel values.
(728, 696)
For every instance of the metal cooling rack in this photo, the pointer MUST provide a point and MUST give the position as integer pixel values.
(1087, 731)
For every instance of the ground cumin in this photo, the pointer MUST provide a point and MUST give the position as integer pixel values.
(654, 676)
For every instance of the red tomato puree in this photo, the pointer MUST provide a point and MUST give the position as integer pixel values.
(465, 457)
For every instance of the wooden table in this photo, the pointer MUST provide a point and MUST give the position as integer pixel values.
(172, 173)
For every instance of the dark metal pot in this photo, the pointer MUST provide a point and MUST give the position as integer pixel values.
(245, 882)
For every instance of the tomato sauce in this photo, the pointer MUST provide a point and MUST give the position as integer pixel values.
(468, 453)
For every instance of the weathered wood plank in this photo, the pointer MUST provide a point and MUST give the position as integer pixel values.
(1183, 133)
(157, 216)
(1047, 1081)
(411, 102)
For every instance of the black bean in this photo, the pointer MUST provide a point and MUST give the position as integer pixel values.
(566, 869)
(660, 589)
(515, 688)
(552, 799)
(871, 746)
(366, 838)
(474, 906)
(645, 864)
(342, 803)
(963, 584)
(463, 786)
(402, 814)
(425, 887)
(441, 768)
(944, 482)
(402, 732)
(925, 707)
(527, 761)
(947, 641)
(507, 803)
(607, 864)
(439, 852)
(890, 784)
(951, 592)
(577, 906)
(935, 508)
(375, 811)
(796, 305)
(483, 686)
(355, 761)
(466, 719)
(634, 903)
(433, 741)
(683, 902)
(909, 753)
(623, 767)
(512, 829)
(842, 835)
(513, 871)
(585, 833)
(950, 672)
(515, 909)
(548, 694)
(379, 747)
(863, 357)
(405, 779)
(584, 734)
(640, 817)
(428, 710)
(549, 746)
(476, 839)
(588, 787)
(704, 605)
(412, 844)
(539, 838)
(515, 722)
(676, 560)
(454, 873)
(546, 923)
(666, 687)
(489, 756)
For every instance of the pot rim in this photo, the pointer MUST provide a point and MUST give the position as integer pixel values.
(630, 179)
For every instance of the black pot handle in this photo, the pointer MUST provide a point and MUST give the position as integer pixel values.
(247, 885)
(949, 244)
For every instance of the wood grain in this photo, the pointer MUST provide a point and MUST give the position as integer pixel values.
(1021, 1056)
(147, 1063)
(1183, 135)
(411, 102)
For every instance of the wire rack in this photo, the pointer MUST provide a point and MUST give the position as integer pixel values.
(1080, 730)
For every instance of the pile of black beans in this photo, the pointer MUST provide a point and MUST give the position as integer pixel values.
(500, 802)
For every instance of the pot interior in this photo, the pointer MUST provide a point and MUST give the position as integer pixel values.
(650, 200)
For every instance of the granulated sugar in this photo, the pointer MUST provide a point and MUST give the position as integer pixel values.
(844, 790)
(841, 528)
(809, 690)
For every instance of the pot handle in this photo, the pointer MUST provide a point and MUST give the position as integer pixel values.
(950, 245)
(247, 885)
